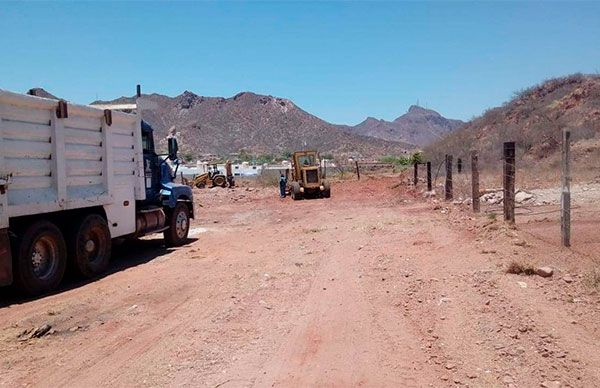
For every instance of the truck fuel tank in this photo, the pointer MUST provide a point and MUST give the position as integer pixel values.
(150, 221)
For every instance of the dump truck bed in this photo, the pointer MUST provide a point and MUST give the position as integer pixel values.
(50, 163)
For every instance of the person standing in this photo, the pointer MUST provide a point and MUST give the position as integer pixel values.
(282, 184)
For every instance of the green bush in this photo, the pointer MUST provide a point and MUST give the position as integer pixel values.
(417, 157)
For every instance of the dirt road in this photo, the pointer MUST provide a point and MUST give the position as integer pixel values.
(373, 287)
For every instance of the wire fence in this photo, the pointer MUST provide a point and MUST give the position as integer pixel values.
(546, 200)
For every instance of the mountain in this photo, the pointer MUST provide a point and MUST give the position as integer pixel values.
(534, 119)
(419, 126)
(253, 123)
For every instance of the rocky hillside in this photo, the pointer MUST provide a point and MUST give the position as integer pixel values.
(419, 126)
(261, 124)
(534, 119)
(254, 123)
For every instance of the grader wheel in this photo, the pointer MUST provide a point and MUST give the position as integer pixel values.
(327, 189)
(295, 191)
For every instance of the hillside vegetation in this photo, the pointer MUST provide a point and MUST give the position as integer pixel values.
(534, 119)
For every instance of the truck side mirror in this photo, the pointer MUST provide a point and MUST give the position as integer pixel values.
(173, 148)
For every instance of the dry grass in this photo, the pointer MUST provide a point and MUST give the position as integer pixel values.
(314, 230)
(520, 268)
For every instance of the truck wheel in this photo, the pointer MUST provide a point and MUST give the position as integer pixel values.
(295, 191)
(90, 246)
(40, 258)
(179, 226)
(326, 189)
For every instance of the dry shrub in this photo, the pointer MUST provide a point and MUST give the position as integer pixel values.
(520, 268)
(268, 178)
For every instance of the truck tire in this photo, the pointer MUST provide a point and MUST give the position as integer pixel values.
(90, 246)
(40, 258)
(179, 226)
(295, 191)
(326, 189)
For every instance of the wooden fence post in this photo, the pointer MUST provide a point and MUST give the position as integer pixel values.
(509, 181)
(565, 198)
(475, 180)
(459, 165)
(449, 194)
(429, 188)
(416, 174)
(357, 169)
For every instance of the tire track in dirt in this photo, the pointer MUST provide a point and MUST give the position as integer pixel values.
(342, 339)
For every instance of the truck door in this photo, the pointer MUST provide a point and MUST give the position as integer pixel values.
(151, 164)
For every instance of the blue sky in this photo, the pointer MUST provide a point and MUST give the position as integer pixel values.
(342, 61)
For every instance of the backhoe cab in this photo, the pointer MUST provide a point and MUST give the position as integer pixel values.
(307, 177)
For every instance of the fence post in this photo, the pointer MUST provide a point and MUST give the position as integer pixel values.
(449, 194)
(509, 181)
(429, 188)
(459, 165)
(475, 180)
(416, 177)
(565, 199)
(357, 169)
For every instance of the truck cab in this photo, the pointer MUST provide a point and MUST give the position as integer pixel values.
(162, 193)
(158, 173)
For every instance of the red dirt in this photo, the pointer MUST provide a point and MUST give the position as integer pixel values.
(373, 287)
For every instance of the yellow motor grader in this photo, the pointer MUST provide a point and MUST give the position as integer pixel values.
(307, 178)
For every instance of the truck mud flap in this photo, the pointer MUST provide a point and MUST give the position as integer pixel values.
(6, 277)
